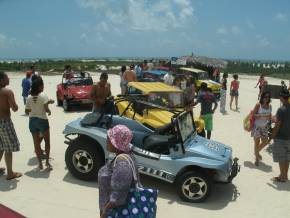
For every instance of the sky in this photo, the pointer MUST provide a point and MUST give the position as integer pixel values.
(232, 29)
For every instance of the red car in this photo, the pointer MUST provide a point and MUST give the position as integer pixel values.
(74, 90)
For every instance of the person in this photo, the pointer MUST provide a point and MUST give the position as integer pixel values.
(37, 107)
(262, 113)
(138, 70)
(234, 91)
(33, 70)
(68, 73)
(168, 78)
(123, 83)
(129, 76)
(261, 83)
(281, 136)
(8, 139)
(283, 85)
(115, 178)
(223, 97)
(207, 99)
(26, 85)
(189, 93)
(100, 94)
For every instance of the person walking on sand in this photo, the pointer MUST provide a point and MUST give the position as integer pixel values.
(206, 98)
(26, 85)
(281, 136)
(129, 76)
(261, 83)
(223, 97)
(8, 139)
(234, 91)
(123, 83)
(37, 108)
(262, 114)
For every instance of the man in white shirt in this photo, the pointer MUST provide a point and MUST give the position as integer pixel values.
(168, 78)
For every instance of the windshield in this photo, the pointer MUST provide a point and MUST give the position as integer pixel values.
(185, 125)
(79, 81)
(167, 99)
(203, 76)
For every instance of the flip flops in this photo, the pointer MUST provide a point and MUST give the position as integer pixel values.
(14, 176)
(2, 171)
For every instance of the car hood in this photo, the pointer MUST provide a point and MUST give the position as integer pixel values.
(211, 83)
(80, 91)
(206, 147)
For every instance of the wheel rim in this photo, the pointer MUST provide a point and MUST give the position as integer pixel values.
(65, 105)
(82, 161)
(194, 188)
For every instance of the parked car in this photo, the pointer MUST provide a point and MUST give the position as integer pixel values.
(176, 155)
(201, 76)
(152, 75)
(75, 90)
(159, 94)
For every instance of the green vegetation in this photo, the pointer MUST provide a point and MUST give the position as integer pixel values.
(273, 69)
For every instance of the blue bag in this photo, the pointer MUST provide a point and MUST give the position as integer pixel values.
(141, 202)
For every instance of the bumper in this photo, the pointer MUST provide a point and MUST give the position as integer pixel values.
(80, 101)
(235, 169)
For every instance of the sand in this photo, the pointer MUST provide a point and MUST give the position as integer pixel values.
(58, 194)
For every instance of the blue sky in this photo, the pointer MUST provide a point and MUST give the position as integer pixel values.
(248, 29)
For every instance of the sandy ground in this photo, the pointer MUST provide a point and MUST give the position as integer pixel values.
(58, 194)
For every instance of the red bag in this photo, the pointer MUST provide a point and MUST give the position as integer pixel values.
(249, 122)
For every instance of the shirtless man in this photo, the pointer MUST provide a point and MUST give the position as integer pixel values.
(129, 76)
(100, 93)
(8, 139)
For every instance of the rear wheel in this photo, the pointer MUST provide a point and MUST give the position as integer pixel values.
(66, 104)
(83, 159)
(194, 186)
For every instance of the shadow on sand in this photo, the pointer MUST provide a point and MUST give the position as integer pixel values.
(7, 185)
(280, 186)
(38, 174)
(221, 195)
(70, 179)
(262, 166)
(32, 162)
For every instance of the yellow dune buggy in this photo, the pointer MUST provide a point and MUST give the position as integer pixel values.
(168, 98)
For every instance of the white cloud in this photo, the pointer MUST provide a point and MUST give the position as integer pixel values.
(236, 30)
(3, 41)
(262, 41)
(281, 17)
(10, 42)
(222, 30)
(141, 15)
(251, 25)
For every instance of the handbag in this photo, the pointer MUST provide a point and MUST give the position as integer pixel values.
(141, 202)
(249, 122)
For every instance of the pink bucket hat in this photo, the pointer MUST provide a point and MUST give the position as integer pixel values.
(120, 136)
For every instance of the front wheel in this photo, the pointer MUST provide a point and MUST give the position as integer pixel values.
(66, 105)
(194, 186)
(83, 159)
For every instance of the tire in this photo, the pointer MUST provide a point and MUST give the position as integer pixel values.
(194, 186)
(59, 102)
(66, 105)
(83, 159)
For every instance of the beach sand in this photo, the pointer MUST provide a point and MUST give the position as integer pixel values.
(58, 194)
